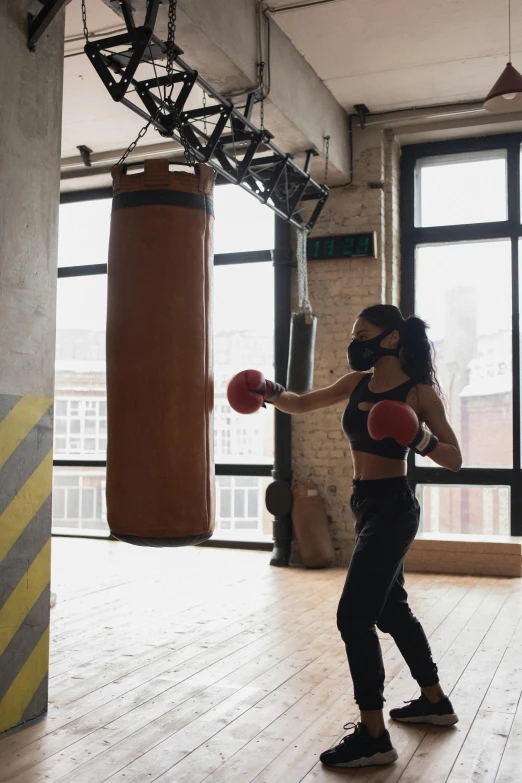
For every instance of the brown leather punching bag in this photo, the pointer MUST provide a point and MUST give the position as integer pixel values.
(160, 395)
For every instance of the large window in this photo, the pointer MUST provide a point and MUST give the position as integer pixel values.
(243, 338)
(463, 291)
(460, 236)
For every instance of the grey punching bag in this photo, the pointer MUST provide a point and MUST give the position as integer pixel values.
(300, 376)
(301, 354)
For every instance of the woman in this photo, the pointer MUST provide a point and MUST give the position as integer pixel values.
(386, 519)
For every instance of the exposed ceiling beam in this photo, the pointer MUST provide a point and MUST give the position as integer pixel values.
(220, 40)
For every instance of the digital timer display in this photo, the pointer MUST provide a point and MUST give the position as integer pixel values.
(348, 246)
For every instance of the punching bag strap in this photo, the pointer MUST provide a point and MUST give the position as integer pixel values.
(207, 178)
(117, 173)
(156, 174)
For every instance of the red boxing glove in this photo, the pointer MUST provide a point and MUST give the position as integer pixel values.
(248, 391)
(390, 419)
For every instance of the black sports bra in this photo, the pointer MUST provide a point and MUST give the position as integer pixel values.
(355, 420)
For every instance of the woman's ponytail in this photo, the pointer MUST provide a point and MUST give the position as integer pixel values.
(416, 353)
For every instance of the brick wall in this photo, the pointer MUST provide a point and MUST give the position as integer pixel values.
(338, 291)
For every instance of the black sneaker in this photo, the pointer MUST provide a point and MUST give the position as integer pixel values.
(360, 749)
(421, 710)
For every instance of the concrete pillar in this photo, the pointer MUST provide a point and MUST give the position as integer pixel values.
(30, 129)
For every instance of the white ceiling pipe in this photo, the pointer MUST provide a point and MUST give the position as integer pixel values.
(425, 113)
(110, 157)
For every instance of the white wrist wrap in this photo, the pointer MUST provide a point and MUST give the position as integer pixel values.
(424, 442)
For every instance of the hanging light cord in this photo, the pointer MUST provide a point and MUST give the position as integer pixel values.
(509, 27)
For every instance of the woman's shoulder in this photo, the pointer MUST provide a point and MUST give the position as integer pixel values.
(352, 379)
(355, 378)
(425, 391)
(421, 396)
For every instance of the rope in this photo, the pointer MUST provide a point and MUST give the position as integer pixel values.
(326, 158)
(302, 271)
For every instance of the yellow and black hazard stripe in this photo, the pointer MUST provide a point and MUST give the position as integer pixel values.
(26, 437)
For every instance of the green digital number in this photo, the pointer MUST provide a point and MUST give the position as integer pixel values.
(363, 246)
(341, 247)
(348, 246)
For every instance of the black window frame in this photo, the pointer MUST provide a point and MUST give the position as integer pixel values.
(412, 236)
(282, 259)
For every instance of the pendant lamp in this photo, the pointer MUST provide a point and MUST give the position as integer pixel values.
(506, 93)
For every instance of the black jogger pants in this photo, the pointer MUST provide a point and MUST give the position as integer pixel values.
(386, 521)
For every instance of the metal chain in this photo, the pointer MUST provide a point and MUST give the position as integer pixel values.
(84, 20)
(171, 36)
(302, 270)
(140, 135)
(205, 116)
(326, 158)
(262, 86)
(190, 157)
(171, 56)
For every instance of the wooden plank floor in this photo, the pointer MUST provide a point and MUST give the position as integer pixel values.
(195, 665)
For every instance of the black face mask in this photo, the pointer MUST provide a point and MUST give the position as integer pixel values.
(363, 354)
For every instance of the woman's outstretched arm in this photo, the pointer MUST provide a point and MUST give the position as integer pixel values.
(338, 392)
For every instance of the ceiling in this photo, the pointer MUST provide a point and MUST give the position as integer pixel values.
(392, 54)
(90, 116)
(388, 54)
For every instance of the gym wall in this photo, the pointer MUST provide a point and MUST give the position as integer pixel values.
(339, 289)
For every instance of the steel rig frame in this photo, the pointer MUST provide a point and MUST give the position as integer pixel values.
(240, 152)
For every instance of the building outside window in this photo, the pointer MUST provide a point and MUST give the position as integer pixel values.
(80, 426)
(79, 499)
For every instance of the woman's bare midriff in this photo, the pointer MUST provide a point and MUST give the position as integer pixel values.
(369, 466)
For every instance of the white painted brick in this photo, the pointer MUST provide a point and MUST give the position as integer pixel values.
(339, 289)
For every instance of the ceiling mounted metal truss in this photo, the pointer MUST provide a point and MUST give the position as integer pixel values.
(220, 134)
(139, 38)
(186, 108)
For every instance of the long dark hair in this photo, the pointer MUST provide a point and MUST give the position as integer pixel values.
(416, 353)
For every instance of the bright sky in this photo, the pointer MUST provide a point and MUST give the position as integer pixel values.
(451, 190)
(243, 294)
(483, 266)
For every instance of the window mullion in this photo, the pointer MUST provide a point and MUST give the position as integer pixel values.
(514, 220)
